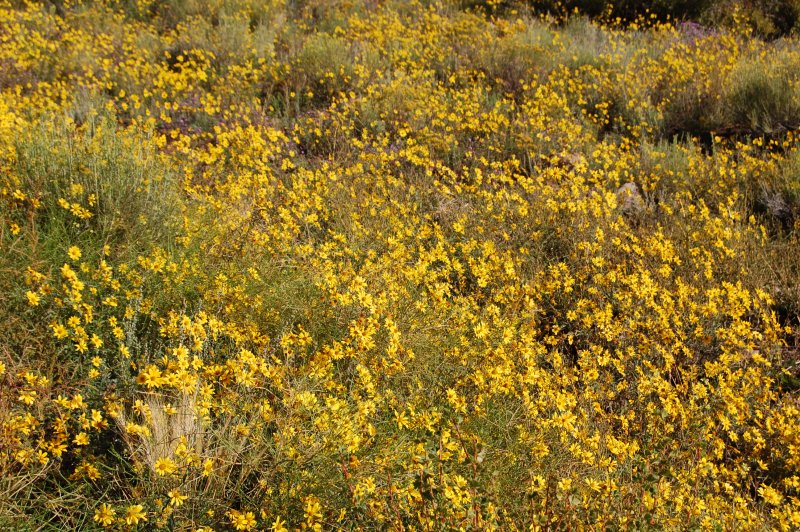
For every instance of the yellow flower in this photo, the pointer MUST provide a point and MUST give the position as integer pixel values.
(76, 402)
(770, 495)
(165, 466)
(97, 342)
(59, 331)
(74, 252)
(176, 498)
(89, 470)
(242, 520)
(151, 377)
(104, 515)
(208, 467)
(33, 298)
(134, 514)
(81, 439)
(98, 422)
(27, 396)
(278, 525)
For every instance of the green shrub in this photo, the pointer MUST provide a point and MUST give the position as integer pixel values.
(91, 186)
(324, 66)
(519, 56)
(762, 96)
(96, 185)
(765, 18)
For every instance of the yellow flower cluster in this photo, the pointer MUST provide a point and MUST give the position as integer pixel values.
(272, 265)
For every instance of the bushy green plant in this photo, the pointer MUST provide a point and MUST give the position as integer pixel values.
(96, 186)
(764, 18)
(763, 96)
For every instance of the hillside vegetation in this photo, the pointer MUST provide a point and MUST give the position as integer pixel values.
(397, 265)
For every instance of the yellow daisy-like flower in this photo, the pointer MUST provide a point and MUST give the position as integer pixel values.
(165, 466)
(151, 377)
(242, 520)
(134, 514)
(33, 298)
(74, 252)
(208, 467)
(176, 498)
(59, 331)
(104, 515)
(27, 396)
(279, 525)
(770, 495)
(97, 342)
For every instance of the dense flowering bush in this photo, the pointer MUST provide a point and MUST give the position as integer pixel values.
(285, 265)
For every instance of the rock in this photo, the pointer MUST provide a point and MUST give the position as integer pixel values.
(629, 199)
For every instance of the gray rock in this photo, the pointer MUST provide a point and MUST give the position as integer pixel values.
(629, 199)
